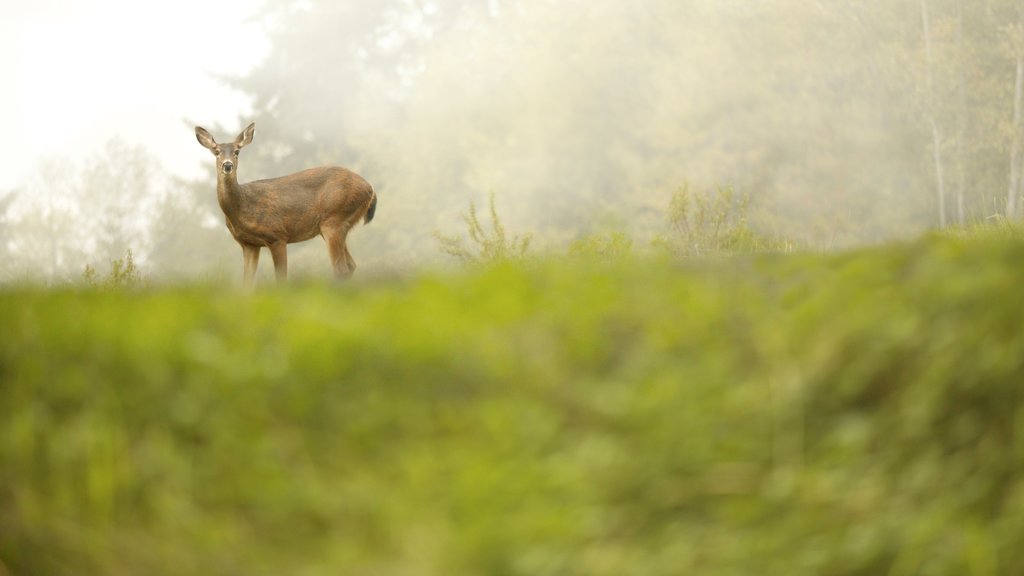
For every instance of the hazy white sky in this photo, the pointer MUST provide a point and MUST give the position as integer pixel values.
(79, 73)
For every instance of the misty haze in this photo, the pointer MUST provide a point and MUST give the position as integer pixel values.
(661, 287)
(841, 123)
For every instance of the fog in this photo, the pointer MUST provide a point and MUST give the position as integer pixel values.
(846, 123)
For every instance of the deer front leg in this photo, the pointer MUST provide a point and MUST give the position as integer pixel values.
(251, 255)
(279, 252)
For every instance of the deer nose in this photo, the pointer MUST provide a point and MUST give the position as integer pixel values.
(228, 166)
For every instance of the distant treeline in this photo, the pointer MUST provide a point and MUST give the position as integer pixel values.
(844, 123)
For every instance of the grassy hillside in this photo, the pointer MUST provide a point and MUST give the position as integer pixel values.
(837, 414)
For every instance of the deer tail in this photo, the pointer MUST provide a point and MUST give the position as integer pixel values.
(371, 210)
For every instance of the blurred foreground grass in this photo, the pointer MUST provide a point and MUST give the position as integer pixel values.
(836, 414)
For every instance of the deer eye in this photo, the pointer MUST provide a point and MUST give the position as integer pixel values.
(236, 152)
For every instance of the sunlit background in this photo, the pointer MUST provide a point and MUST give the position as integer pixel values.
(842, 123)
(77, 74)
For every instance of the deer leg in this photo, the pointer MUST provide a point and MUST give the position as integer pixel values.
(335, 239)
(347, 226)
(348, 258)
(251, 256)
(279, 252)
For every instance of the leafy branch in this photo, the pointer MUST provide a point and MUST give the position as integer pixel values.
(483, 245)
(123, 274)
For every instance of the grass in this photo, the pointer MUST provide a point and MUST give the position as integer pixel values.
(777, 414)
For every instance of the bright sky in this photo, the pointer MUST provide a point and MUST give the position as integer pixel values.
(76, 74)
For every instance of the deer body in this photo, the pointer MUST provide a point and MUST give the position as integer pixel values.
(272, 213)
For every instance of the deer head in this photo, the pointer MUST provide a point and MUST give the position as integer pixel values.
(227, 154)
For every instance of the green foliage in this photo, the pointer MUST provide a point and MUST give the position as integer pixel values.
(123, 274)
(702, 223)
(851, 414)
(838, 154)
(483, 246)
(608, 246)
(994, 227)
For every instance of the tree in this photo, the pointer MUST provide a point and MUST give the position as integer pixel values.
(45, 241)
(67, 217)
(188, 235)
(1017, 43)
(6, 199)
(961, 115)
(120, 191)
(846, 121)
(940, 185)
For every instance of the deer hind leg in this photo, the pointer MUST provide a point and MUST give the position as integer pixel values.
(347, 225)
(279, 252)
(340, 258)
(251, 256)
(351, 261)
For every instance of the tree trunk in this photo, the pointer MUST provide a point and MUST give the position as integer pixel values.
(961, 115)
(940, 185)
(1011, 195)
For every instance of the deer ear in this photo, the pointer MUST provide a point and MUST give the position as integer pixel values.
(205, 138)
(246, 136)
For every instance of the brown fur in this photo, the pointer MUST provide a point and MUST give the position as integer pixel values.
(325, 201)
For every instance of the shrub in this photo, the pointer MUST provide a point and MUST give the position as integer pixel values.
(846, 415)
(483, 245)
(702, 223)
(607, 246)
(123, 274)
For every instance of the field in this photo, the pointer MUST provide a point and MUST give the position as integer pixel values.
(841, 414)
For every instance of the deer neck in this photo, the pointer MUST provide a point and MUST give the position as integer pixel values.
(229, 193)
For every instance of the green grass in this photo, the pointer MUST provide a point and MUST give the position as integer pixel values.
(844, 414)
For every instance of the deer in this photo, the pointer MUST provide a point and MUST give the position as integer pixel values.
(327, 201)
